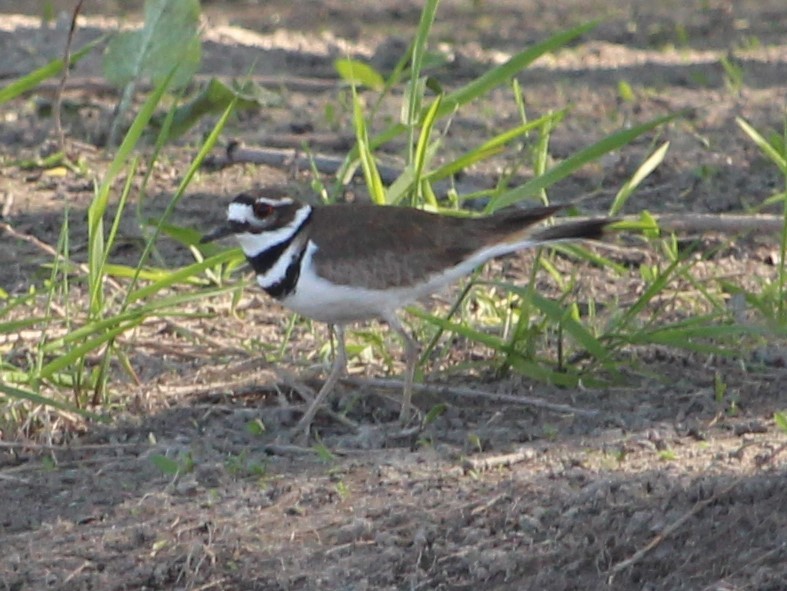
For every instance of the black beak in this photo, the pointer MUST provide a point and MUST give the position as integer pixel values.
(219, 232)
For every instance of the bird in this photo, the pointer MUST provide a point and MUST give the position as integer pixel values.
(353, 262)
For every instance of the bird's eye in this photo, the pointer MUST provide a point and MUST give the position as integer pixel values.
(262, 210)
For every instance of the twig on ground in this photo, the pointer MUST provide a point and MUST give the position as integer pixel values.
(722, 223)
(462, 392)
(523, 454)
(487, 505)
(94, 85)
(683, 223)
(29, 238)
(281, 449)
(670, 529)
(61, 138)
(67, 447)
(201, 336)
(13, 478)
(174, 350)
(235, 153)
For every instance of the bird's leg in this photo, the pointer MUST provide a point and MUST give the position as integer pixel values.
(338, 369)
(411, 358)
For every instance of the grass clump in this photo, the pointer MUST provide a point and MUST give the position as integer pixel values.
(84, 314)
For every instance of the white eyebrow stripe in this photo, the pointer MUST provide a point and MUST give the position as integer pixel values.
(274, 202)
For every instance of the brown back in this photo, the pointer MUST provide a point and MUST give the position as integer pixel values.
(383, 247)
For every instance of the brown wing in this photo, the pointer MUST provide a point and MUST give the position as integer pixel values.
(385, 247)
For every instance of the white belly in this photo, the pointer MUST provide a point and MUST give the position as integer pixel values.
(322, 300)
(318, 299)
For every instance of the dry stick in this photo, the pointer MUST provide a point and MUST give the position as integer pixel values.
(201, 336)
(238, 154)
(235, 154)
(51, 251)
(98, 86)
(463, 392)
(77, 447)
(670, 529)
(13, 478)
(175, 350)
(61, 138)
(687, 223)
(30, 334)
(277, 157)
(523, 454)
(723, 223)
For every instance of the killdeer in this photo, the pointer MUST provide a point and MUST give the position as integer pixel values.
(345, 263)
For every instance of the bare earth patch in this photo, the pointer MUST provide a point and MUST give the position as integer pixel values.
(662, 485)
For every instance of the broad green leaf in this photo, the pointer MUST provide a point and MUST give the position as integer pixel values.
(166, 465)
(780, 418)
(168, 39)
(216, 97)
(358, 73)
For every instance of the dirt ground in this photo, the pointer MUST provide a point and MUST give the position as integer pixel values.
(655, 484)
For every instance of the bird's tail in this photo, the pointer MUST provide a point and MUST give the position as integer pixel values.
(592, 229)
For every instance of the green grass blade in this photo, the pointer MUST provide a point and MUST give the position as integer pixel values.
(21, 324)
(357, 73)
(557, 313)
(764, 145)
(371, 174)
(20, 394)
(524, 366)
(503, 73)
(97, 248)
(29, 81)
(491, 341)
(700, 335)
(421, 151)
(579, 252)
(656, 287)
(540, 372)
(415, 88)
(650, 164)
(574, 162)
(491, 147)
(78, 352)
(183, 274)
(196, 163)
